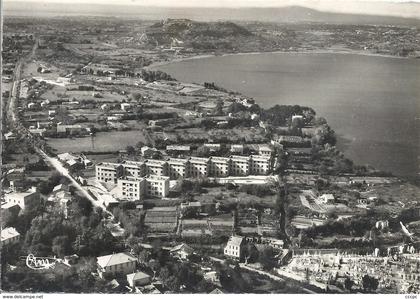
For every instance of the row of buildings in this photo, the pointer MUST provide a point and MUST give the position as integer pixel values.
(194, 167)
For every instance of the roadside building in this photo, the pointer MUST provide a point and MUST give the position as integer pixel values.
(138, 279)
(157, 186)
(219, 166)
(234, 247)
(240, 165)
(22, 198)
(178, 168)
(117, 263)
(156, 167)
(198, 167)
(182, 251)
(131, 188)
(108, 172)
(9, 235)
(260, 165)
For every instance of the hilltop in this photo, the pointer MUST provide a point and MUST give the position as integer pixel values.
(201, 35)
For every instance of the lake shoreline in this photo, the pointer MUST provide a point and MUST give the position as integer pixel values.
(315, 52)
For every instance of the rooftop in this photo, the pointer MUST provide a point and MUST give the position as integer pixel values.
(115, 259)
(235, 240)
(137, 276)
(8, 233)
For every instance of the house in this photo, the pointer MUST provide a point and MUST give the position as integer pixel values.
(237, 148)
(125, 106)
(22, 198)
(213, 147)
(182, 251)
(51, 113)
(147, 151)
(70, 160)
(382, 224)
(213, 277)
(265, 150)
(69, 129)
(45, 103)
(9, 235)
(217, 291)
(71, 259)
(178, 148)
(326, 198)
(39, 132)
(117, 263)
(234, 247)
(138, 279)
(274, 243)
(9, 136)
(104, 106)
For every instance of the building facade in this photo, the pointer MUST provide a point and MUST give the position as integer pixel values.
(219, 166)
(108, 172)
(198, 167)
(178, 168)
(240, 165)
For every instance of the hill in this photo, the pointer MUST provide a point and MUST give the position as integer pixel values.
(201, 35)
(391, 13)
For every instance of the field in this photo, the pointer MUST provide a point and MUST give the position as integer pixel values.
(102, 142)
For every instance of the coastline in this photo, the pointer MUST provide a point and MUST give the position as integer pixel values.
(315, 52)
(156, 65)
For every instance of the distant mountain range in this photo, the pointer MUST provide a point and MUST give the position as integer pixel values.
(288, 14)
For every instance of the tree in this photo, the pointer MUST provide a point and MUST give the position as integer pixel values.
(369, 283)
(173, 283)
(60, 245)
(266, 258)
(348, 283)
(144, 256)
(130, 150)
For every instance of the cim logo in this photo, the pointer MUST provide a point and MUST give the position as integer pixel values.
(40, 263)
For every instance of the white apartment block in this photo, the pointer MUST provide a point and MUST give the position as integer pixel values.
(134, 168)
(178, 168)
(108, 172)
(234, 247)
(198, 167)
(156, 167)
(219, 166)
(260, 165)
(131, 188)
(240, 165)
(157, 186)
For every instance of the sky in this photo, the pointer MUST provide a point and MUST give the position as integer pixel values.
(224, 3)
(411, 8)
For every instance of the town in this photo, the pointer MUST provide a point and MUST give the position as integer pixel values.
(118, 178)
